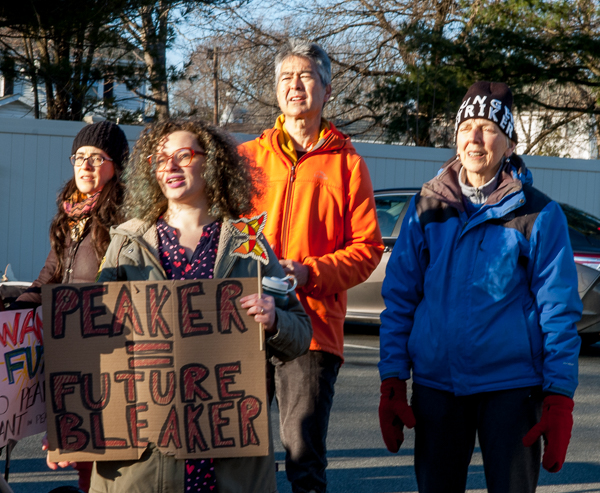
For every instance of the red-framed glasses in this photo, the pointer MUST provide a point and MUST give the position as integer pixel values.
(181, 157)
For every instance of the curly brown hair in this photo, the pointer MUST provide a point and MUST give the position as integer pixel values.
(231, 183)
(106, 214)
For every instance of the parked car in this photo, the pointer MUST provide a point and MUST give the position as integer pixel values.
(365, 303)
(10, 291)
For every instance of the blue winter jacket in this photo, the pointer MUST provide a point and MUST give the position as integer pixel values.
(486, 302)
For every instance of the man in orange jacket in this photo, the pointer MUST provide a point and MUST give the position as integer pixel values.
(322, 225)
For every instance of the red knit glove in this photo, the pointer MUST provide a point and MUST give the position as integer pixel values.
(555, 426)
(394, 413)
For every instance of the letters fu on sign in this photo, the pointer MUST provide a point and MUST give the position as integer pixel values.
(175, 363)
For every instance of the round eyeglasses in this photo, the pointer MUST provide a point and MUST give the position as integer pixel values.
(96, 160)
(181, 157)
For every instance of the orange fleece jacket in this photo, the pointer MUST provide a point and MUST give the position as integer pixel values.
(320, 212)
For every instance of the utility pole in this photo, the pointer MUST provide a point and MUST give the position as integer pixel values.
(214, 54)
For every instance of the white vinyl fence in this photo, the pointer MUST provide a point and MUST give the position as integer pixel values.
(34, 164)
(572, 181)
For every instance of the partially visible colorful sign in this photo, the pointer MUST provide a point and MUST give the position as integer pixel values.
(22, 397)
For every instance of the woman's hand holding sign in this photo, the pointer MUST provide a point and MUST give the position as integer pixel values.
(263, 309)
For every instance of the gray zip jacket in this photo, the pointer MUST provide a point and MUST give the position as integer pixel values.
(133, 255)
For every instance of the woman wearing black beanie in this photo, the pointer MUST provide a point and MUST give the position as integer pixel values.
(481, 311)
(88, 205)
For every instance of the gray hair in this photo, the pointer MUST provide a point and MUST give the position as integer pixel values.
(304, 49)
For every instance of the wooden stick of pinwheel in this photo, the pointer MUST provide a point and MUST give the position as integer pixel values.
(260, 325)
(249, 243)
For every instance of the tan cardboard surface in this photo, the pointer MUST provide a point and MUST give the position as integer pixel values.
(176, 363)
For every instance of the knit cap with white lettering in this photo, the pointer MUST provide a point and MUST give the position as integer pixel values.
(491, 101)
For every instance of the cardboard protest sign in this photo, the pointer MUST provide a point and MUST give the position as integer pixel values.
(175, 363)
(22, 400)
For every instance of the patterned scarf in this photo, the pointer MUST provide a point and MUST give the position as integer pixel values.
(79, 207)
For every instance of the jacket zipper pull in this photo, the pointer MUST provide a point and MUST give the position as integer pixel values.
(293, 175)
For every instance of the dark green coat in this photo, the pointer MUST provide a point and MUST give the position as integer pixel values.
(133, 255)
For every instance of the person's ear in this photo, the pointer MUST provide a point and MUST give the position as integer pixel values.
(327, 93)
(511, 147)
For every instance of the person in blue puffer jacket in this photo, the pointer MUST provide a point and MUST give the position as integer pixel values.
(481, 305)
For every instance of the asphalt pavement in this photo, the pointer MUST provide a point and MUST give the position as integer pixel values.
(360, 463)
(358, 459)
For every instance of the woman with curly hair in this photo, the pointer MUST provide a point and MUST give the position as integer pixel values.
(88, 205)
(185, 179)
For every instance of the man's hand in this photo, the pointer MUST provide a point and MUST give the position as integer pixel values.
(394, 413)
(296, 269)
(555, 425)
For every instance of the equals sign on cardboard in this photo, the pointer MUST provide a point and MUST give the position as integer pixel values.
(149, 354)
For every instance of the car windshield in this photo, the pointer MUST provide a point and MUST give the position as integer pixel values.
(389, 208)
(581, 221)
